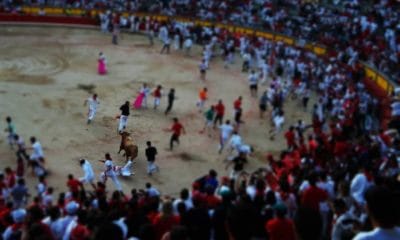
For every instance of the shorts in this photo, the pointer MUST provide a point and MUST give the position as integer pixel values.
(253, 87)
(263, 107)
(202, 71)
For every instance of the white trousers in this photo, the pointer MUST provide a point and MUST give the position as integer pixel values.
(151, 167)
(156, 102)
(123, 120)
(104, 177)
(92, 113)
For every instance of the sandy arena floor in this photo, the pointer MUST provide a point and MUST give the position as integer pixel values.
(40, 69)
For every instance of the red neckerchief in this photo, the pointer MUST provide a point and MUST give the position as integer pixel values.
(16, 226)
(369, 176)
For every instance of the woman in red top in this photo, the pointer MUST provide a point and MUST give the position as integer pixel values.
(164, 221)
(176, 128)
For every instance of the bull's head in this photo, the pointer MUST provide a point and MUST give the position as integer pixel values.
(124, 134)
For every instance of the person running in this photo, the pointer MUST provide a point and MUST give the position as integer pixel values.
(202, 99)
(123, 118)
(115, 34)
(177, 128)
(171, 99)
(225, 132)
(187, 45)
(37, 154)
(109, 172)
(151, 153)
(89, 175)
(278, 121)
(11, 131)
(157, 96)
(203, 69)
(93, 102)
(253, 82)
(237, 104)
(263, 104)
(236, 141)
(238, 166)
(219, 113)
(209, 115)
(167, 45)
(21, 149)
(146, 91)
(238, 118)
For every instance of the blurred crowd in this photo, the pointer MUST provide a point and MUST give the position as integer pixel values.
(336, 178)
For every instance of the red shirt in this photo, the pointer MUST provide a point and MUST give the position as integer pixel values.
(164, 224)
(220, 109)
(312, 197)
(290, 138)
(280, 229)
(10, 180)
(237, 104)
(73, 185)
(157, 93)
(177, 128)
(212, 201)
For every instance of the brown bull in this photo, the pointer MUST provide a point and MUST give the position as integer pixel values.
(129, 146)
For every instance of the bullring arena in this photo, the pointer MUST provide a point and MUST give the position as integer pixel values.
(42, 69)
(312, 150)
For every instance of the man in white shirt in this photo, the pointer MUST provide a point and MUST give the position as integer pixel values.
(253, 81)
(359, 184)
(381, 207)
(89, 175)
(93, 102)
(235, 142)
(37, 154)
(152, 191)
(187, 45)
(109, 172)
(184, 198)
(225, 132)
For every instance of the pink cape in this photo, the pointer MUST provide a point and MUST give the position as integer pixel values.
(101, 67)
(138, 101)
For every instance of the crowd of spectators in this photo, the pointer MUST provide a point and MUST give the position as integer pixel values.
(337, 176)
(354, 30)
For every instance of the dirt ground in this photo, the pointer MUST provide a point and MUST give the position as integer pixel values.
(42, 71)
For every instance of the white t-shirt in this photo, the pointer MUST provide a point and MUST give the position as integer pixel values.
(88, 170)
(253, 79)
(246, 149)
(358, 186)
(226, 130)
(188, 203)
(188, 43)
(93, 103)
(278, 121)
(109, 171)
(235, 141)
(37, 149)
(379, 233)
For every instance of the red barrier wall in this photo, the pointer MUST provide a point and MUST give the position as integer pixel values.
(48, 19)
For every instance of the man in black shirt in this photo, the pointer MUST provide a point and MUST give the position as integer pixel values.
(171, 98)
(151, 153)
(123, 119)
(238, 165)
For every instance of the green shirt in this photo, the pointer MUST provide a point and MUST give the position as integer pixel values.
(11, 128)
(209, 115)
